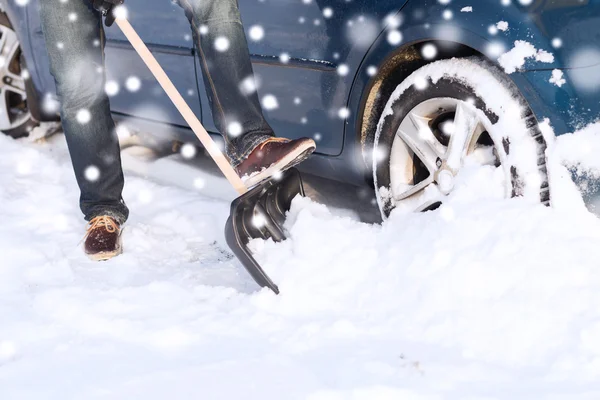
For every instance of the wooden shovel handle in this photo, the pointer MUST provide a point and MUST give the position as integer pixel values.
(182, 106)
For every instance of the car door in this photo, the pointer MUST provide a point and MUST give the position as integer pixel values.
(306, 60)
(166, 31)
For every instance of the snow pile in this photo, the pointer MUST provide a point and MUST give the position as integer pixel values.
(580, 150)
(502, 25)
(480, 299)
(557, 78)
(514, 59)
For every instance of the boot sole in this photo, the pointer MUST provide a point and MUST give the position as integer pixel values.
(290, 160)
(107, 255)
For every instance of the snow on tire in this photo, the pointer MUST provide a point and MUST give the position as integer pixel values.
(443, 112)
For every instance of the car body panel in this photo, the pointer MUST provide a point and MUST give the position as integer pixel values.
(318, 49)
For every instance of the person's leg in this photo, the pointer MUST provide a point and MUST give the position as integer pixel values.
(75, 41)
(228, 75)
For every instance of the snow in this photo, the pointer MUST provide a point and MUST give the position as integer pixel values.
(480, 299)
(502, 25)
(557, 78)
(516, 57)
(466, 9)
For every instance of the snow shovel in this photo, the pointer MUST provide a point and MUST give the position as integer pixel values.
(259, 213)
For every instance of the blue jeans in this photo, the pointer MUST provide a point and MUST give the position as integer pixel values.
(76, 52)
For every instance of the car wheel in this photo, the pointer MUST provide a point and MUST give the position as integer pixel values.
(15, 86)
(444, 112)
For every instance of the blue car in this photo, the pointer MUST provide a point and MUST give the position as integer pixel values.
(395, 92)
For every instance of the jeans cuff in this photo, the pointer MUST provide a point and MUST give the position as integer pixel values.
(250, 141)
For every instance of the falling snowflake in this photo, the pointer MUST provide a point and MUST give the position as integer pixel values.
(328, 12)
(466, 9)
(145, 196)
(203, 30)
(284, 58)
(248, 85)
(525, 2)
(343, 113)
(92, 173)
(83, 116)
(22, 3)
(297, 100)
(188, 151)
(133, 84)
(257, 33)
(50, 105)
(371, 70)
(421, 83)
(318, 136)
(447, 15)
(343, 70)
(199, 183)
(111, 88)
(234, 129)
(444, 2)
(393, 21)
(429, 51)
(269, 102)
(557, 43)
(221, 44)
(72, 17)
(121, 12)
(60, 45)
(495, 49)
(394, 37)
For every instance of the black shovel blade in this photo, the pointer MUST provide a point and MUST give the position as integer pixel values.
(260, 214)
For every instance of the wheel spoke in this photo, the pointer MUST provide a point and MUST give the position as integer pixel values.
(465, 123)
(16, 83)
(5, 122)
(3, 38)
(421, 197)
(418, 136)
(413, 189)
(10, 46)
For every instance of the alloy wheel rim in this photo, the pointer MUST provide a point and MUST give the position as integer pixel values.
(13, 96)
(429, 148)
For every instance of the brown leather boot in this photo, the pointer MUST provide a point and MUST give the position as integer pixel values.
(103, 238)
(273, 156)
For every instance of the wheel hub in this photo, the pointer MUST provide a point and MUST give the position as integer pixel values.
(426, 158)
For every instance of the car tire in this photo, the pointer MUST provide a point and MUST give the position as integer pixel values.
(17, 95)
(443, 112)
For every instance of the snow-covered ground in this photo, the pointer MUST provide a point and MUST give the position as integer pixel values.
(484, 298)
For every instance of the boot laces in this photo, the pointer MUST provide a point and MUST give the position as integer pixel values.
(102, 220)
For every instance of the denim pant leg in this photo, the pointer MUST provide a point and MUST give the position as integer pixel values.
(76, 50)
(225, 59)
